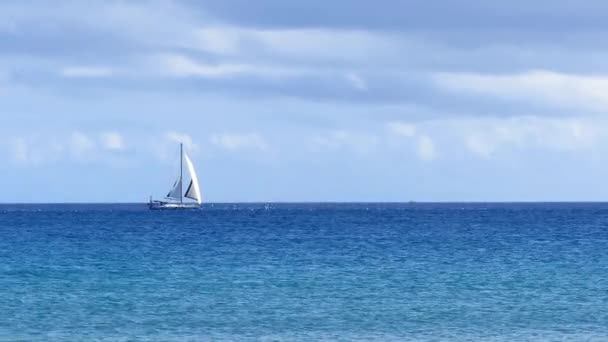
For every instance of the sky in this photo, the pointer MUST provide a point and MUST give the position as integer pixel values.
(341, 100)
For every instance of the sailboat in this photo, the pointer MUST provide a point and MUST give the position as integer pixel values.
(176, 198)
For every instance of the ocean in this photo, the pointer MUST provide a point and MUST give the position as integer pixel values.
(305, 272)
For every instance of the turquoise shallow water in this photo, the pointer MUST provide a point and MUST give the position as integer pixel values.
(305, 272)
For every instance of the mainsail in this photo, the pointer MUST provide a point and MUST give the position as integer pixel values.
(176, 196)
(194, 191)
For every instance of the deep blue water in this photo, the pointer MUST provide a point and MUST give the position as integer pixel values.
(305, 272)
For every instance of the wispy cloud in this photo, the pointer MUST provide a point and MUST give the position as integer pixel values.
(553, 88)
(20, 150)
(237, 141)
(425, 148)
(360, 142)
(296, 44)
(33, 151)
(356, 81)
(402, 128)
(112, 141)
(182, 66)
(182, 138)
(486, 137)
(80, 144)
(219, 40)
(87, 72)
(77, 146)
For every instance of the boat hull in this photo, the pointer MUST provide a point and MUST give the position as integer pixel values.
(172, 206)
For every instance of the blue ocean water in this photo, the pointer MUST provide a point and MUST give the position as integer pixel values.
(305, 272)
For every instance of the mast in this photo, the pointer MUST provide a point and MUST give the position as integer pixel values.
(181, 175)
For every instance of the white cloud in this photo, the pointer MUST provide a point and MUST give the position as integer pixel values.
(178, 65)
(20, 150)
(87, 72)
(359, 142)
(580, 91)
(183, 138)
(233, 142)
(220, 40)
(112, 141)
(33, 151)
(301, 44)
(163, 50)
(424, 144)
(402, 128)
(322, 43)
(479, 146)
(84, 147)
(485, 137)
(356, 81)
(80, 144)
(425, 148)
(182, 66)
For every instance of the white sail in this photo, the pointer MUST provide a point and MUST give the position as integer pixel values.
(176, 190)
(176, 194)
(194, 191)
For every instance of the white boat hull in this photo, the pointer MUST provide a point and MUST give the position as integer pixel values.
(157, 205)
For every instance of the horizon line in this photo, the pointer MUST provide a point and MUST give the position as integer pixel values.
(336, 202)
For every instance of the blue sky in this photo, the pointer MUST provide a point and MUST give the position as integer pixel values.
(339, 100)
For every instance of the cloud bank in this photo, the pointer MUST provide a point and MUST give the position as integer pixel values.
(397, 90)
